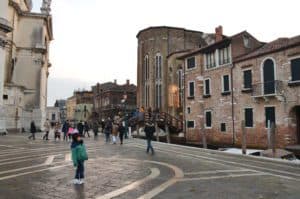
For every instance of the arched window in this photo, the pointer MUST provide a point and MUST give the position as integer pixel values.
(158, 81)
(158, 66)
(268, 76)
(146, 68)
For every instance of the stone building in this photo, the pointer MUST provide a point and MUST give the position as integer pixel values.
(158, 72)
(79, 106)
(53, 114)
(111, 98)
(266, 84)
(61, 104)
(25, 69)
(208, 93)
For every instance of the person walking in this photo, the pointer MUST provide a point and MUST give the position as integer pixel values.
(114, 133)
(65, 130)
(47, 129)
(149, 130)
(86, 129)
(56, 131)
(80, 128)
(107, 130)
(32, 130)
(79, 155)
(95, 128)
(122, 131)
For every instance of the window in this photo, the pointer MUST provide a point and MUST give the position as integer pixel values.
(210, 60)
(246, 40)
(223, 127)
(190, 124)
(295, 69)
(5, 97)
(191, 89)
(226, 84)
(207, 87)
(147, 95)
(224, 56)
(180, 85)
(270, 115)
(247, 79)
(191, 63)
(146, 67)
(188, 110)
(53, 116)
(208, 119)
(248, 117)
(158, 66)
(158, 96)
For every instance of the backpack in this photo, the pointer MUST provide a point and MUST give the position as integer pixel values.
(82, 154)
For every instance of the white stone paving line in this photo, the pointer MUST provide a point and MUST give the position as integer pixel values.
(49, 160)
(217, 171)
(222, 177)
(225, 162)
(10, 146)
(26, 160)
(154, 174)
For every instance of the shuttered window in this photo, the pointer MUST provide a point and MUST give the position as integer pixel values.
(223, 127)
(191, 63)
(190, 124)
(208, 119)
(295, 69)
(191, 89)
(248, 117)
(207, 87)
(226, 83)
(270, 115)
(247, 79)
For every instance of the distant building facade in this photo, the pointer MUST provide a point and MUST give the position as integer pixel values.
(159, 74)
(61, 104)
(111, 98)
(25, 63)
(79, 106)
(53, 115)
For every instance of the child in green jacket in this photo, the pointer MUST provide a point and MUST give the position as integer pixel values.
(79, 155)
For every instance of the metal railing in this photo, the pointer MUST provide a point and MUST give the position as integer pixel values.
(270, 88)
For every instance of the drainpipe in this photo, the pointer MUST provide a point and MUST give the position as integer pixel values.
(183, 95)
(232, 105)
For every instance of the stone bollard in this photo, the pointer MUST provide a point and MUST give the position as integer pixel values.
(244, 139)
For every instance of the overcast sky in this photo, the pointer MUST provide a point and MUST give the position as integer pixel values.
(95, 40)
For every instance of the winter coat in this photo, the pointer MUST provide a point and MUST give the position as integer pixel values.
(122, 129)
(65, 127)
(149, 130)
(108, 126)
(115, 130)
(79, 153)
(47, 126)
(32, 127)
(80, 127)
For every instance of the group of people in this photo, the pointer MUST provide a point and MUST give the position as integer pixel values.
(113, 128)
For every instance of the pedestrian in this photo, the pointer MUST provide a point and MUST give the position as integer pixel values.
(56, 131)
(149, 130)
(80, 128)
(102, 125)
(122, 131)
(86, 129)
(47, 129)
(114, 133)
(79, 155)
(95, 128)
(107, 130)
(32, 130)
(65, 130)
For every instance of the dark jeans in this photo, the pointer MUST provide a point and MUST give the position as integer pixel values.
(65, 136)
(121, 135)
(149, 146)
(80, 171)
(32, 136)
(107, 136)
(46, 136)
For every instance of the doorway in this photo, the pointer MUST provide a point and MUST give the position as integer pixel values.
(269, 77)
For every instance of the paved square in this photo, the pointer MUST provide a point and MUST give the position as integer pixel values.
(42, 169)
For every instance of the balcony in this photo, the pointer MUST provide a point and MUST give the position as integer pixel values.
(268, 89)
(5, 25)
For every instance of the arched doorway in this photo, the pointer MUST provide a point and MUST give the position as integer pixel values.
(268, 77)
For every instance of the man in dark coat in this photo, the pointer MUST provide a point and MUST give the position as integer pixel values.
(32, 130)
(80, 128)
(65, 130)
(149, 130)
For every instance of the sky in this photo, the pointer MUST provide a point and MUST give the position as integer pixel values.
(95, 40)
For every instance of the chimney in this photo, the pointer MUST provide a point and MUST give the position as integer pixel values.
(127, 82)
(115, 81)
(219, 33)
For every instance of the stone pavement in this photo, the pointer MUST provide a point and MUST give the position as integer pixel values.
(42, 169)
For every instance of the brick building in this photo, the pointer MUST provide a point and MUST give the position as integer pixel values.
(111, 98)
(239, 79)
(159, 74)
